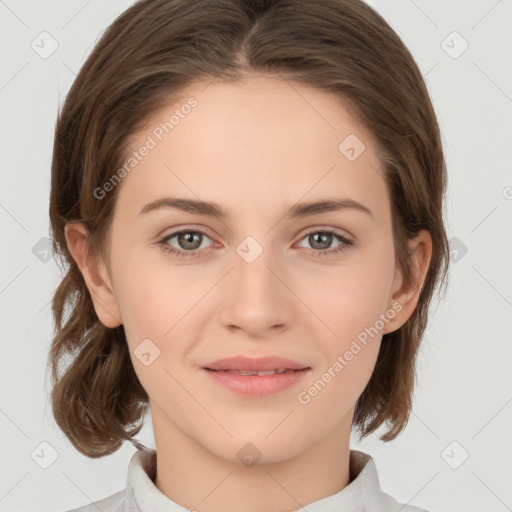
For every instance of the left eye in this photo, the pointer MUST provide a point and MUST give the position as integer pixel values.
(190, 241)
(326, 238)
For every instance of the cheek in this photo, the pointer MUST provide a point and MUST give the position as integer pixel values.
(153, 295)
(349, 347)
(158, 305)
(350, 302)
(348, 299)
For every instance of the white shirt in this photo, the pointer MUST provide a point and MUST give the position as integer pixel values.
(363, 494)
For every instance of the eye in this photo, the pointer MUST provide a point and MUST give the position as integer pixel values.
(321, 239)
(189, 240)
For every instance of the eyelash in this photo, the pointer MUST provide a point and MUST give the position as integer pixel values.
(344, 245)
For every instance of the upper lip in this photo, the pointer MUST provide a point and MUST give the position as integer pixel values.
(258, 364)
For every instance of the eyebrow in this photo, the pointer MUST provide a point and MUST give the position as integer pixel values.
(211, 209)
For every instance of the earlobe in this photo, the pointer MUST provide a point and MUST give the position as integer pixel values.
(405, 296)
(95, 275)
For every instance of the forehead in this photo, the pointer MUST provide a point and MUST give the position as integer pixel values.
(263, 138)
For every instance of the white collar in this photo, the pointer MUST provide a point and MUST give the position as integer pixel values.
(363, 494)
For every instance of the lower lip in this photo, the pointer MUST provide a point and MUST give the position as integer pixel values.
(257, 385)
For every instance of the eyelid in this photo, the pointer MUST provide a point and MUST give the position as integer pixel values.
(330, 229)
(176, 230)
(344, 240)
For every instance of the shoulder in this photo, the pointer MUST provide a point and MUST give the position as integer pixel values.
(113, 503)
(388, 504)
(374, 499)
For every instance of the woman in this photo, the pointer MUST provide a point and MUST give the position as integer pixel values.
(249, 196)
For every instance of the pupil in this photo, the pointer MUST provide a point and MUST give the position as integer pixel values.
(188, 238)
(325, 243)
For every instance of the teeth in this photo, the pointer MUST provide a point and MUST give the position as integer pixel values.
(252, 372)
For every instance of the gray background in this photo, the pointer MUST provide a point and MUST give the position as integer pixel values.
(463, 401)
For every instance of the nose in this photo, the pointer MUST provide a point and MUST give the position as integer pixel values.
(258, 300)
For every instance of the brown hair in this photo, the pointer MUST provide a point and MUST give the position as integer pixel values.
(150, 53)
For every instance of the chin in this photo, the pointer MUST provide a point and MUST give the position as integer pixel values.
(256, 450)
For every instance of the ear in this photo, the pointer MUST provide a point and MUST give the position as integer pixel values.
(404, 297)
(95, 275)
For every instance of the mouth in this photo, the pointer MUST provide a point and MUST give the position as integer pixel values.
(247, 365)
(276, 371)
(257, 384)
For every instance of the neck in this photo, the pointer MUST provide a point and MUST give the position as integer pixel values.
(195, 478)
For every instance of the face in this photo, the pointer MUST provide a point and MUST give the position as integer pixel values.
(319, 288)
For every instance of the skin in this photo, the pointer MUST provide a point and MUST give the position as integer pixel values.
(256, 148)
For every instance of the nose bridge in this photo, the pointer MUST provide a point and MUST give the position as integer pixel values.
(253, 262)
(258, 300)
